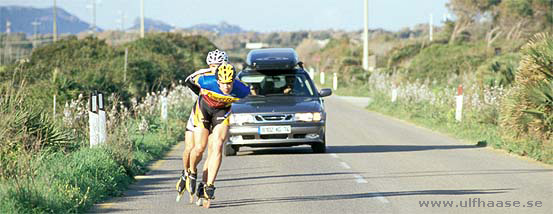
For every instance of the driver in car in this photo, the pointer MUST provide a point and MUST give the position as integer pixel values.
(288, 88)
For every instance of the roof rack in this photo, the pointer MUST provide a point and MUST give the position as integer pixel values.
(273, 59)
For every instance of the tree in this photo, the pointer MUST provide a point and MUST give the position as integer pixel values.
(467, 12)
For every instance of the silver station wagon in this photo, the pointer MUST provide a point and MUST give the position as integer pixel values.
(284, 108)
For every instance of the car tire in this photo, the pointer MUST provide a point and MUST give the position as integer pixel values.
(230, 150)
(318, 147)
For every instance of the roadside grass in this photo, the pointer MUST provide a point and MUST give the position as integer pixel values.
(72, 183)
(471, 129)
(478, 128)
(344, 89)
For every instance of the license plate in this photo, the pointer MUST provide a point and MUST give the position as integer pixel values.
(275, 129)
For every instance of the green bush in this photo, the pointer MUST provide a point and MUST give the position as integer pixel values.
(528, 109)
(73, 66)
(439, 61)
(403, 53)
(25, 129)
(499, 70)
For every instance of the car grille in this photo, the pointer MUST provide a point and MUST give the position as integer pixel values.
(248, 137)
(273, 117)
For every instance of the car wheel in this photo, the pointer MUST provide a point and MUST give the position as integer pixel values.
(230, 150)
(318, 147)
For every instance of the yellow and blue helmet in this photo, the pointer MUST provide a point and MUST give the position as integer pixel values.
(225, 73)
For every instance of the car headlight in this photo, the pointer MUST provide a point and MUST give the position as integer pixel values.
(308, 117)
(241, 119)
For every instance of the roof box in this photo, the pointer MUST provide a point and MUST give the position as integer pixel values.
(272, 59)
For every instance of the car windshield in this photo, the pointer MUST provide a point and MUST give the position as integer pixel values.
(279, 85)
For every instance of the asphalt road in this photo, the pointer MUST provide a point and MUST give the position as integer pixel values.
(374, 164)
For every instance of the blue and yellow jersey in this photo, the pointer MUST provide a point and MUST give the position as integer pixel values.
(214, 97)
(189, 81)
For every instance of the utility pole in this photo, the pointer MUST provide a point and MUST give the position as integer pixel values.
(431, 28)
(8, 31)
(126, 62)
(92, 7)
(55, 32)
(366, 37)
(35, 35)
(93, 16)
(141, 18)
(122, 20)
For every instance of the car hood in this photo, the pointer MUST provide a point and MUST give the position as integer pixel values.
(277, 104)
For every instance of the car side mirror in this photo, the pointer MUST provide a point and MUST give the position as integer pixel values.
(325, 92)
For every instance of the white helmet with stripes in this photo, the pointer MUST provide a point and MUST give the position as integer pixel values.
(216, 57)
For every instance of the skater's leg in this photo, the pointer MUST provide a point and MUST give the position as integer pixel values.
(216, 146)
(206, 164)
(200, 143)
(188, 145)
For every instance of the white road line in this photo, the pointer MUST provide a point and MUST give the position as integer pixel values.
(382, 199)
(345, 165)
(334, 155)
(360, 180)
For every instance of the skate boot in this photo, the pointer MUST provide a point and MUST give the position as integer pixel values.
(191, 185)
(181, 185)
(199, 193)
(208, 195)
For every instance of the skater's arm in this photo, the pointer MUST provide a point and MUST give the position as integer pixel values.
(192, 81)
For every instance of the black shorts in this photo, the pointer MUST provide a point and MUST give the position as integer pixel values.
(208, 117)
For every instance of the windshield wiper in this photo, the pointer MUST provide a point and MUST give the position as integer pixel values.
(259, 95)
(269, 95)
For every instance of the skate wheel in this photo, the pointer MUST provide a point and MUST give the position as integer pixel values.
(199, 202)
(206, 203)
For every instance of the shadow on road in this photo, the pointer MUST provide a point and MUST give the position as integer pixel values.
(352, 149)
(394, 148)
(286, 176)
(253, 201)
(310, 180)
(276, 151)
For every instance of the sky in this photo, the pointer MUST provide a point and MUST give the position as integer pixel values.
(256, 15)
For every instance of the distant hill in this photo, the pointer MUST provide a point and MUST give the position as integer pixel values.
(21, 19)
(222, 28)
(152, 25)
(157, 25)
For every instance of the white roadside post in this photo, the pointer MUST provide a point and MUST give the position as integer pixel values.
(394, 94)
(102, 132)
(335, 82)
(54, 108)
(322, 77)
(93, 119)
(459, 98)
(164, 105)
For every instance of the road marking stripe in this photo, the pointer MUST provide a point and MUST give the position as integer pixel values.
(345, 165)
(382, 199)
(334, 155)
(360, 180)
